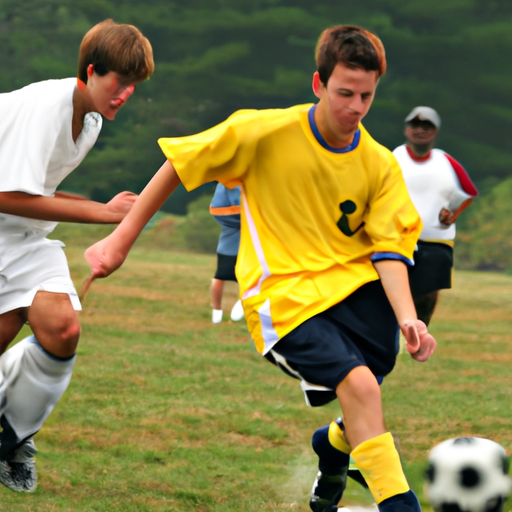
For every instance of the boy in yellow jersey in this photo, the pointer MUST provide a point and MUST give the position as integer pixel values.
(327, 232)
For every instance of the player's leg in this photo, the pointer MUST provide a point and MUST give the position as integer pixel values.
(432, 271)
(368, 325)
(11, 323)
(55, 324)
(225, 272)
(373, 447)
(333, 451)
(314, 354)
(426, 305)
(216, 289)
(330, 445)
(36, 372)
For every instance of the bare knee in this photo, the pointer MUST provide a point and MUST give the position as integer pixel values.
(55, 324)
(361, 385)
(62, 339)
(67, 334)
(360, 400)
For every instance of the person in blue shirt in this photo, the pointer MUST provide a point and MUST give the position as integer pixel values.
(225, 207)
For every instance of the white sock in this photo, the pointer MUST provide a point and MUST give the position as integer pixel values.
(217, 316)
(32, 382)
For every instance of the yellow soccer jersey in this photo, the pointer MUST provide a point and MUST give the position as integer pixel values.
(311, 217)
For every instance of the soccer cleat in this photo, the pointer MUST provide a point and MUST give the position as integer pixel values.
(327, 492)
(18, 476)
(331, 479)
(20, 473)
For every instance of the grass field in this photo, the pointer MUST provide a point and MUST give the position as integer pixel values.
(169, 412)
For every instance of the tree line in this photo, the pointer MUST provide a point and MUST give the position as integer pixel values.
(216, 56)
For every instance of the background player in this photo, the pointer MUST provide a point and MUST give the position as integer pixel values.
(327, 230)
(46, 130)
(225, 207)
(440, 189)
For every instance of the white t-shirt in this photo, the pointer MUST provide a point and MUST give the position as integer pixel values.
(37, 150)
(432, 184)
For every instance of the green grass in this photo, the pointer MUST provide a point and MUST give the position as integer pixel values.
(169, 412)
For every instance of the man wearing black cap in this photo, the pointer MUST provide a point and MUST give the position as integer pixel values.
(440, 189)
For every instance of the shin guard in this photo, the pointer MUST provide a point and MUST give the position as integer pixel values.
(32, 382)
(378, 461)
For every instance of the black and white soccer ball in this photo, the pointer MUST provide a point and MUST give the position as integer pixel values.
(468, 474)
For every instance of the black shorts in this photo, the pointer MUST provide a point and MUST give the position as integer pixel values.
(359, 331)
(432, 270)
(225, 267)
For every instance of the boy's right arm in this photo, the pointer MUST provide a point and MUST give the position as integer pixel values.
(66, 207)
(395, 281)
(108, 254)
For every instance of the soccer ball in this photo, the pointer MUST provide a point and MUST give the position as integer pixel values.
(468, 474)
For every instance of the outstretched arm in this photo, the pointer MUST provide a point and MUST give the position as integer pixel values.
(66, 207)
(395, 281)
(108, 254)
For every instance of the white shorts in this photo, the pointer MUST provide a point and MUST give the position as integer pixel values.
(27, 266)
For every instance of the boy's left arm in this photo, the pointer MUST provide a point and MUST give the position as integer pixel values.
(395, 281)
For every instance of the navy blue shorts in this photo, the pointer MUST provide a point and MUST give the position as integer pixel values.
(225, 267)
(359, 331)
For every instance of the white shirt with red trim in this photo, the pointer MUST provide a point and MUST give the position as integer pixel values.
(434, 182)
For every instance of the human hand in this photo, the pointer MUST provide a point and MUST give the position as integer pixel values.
(104, 258)
(418, 342)
(446, 217)
(121, 204)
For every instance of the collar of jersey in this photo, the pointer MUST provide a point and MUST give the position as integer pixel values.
(353, 145)
(419, 159)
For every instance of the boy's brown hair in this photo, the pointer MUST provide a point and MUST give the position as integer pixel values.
(352, 46)
(110, 46)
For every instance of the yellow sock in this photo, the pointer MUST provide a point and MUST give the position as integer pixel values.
(337, 438)
(379, 463)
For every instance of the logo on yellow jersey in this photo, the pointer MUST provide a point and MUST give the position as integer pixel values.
(347, 207)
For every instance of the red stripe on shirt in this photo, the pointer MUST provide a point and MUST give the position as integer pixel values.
(464, 179)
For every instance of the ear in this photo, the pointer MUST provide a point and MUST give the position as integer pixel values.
(90, 70)
(317, 85)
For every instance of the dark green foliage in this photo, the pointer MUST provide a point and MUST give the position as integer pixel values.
(215, 56)
(485, 243)
(199, 229)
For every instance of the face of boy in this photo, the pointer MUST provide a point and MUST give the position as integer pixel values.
(344, 101)
(108, 92)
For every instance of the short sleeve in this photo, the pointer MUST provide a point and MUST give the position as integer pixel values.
(392, 222)
(222, 153)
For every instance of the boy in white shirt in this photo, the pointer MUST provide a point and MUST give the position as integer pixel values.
(46, 130)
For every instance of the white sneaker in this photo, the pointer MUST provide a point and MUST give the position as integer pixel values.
(217, 316)
(237, 313)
